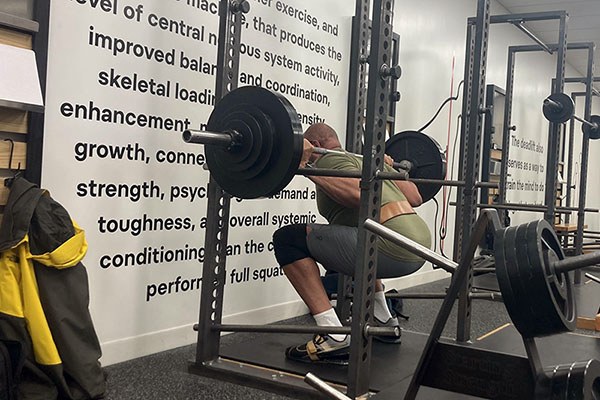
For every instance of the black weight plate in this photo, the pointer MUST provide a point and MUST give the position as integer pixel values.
(426, 156)
(563, 114)
(284, 132)
(556, 314)
(259, 138)
(577, 381)
(505, 265)
(524, 281)
(594, 133)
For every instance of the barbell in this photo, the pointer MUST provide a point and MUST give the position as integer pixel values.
(254, 143)
(559, 108)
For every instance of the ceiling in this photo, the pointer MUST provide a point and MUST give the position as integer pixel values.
(583, 25)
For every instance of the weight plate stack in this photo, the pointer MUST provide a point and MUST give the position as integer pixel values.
(538, 298)
(268, 145)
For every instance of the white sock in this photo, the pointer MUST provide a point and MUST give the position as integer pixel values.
(381, 310)
(329, 318)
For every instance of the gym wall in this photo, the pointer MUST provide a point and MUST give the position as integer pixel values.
(140, 192)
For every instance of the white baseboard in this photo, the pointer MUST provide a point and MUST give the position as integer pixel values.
(138, 346)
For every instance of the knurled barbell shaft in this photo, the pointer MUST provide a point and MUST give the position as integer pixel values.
(583, 121)
(383, 175)
(320, 150)
(576, 262)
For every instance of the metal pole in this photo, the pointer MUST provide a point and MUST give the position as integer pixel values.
(324, 388)
(577, 262)
(554, 131)
(378, 101)
(342, 330)
(472, 129)
(213, 271)
(521, 25)
(508, 98)
(410, 245)
(585, 150)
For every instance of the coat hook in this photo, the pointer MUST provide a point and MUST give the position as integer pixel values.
(8, 181)
(12, 149)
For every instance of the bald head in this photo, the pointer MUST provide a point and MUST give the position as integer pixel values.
(322, 135)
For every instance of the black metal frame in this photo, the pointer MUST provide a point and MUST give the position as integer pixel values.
(555, 136)
(213, 273)
(473, 99)
(378, 99)
(488, 131)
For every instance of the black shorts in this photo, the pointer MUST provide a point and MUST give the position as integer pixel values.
(336, 248)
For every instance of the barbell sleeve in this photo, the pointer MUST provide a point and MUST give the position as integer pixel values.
(577, 262)
(553, 104)
(225, 139)
(410, 245)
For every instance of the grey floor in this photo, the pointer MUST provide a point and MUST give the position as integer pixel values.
(164, 375)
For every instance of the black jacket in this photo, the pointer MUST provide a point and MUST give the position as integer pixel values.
(44, 298)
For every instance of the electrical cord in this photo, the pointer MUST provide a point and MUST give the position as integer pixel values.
(435, 218)
(444, 225)
(448, 100)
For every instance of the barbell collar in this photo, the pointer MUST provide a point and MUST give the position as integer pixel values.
(576, 262)
(411, 245)
(224, 139)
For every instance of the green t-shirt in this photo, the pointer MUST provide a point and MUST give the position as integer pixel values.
(410, 225)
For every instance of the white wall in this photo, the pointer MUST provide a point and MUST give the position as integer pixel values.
(128, 322)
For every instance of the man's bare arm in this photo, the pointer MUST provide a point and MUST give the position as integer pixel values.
(344, 191)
